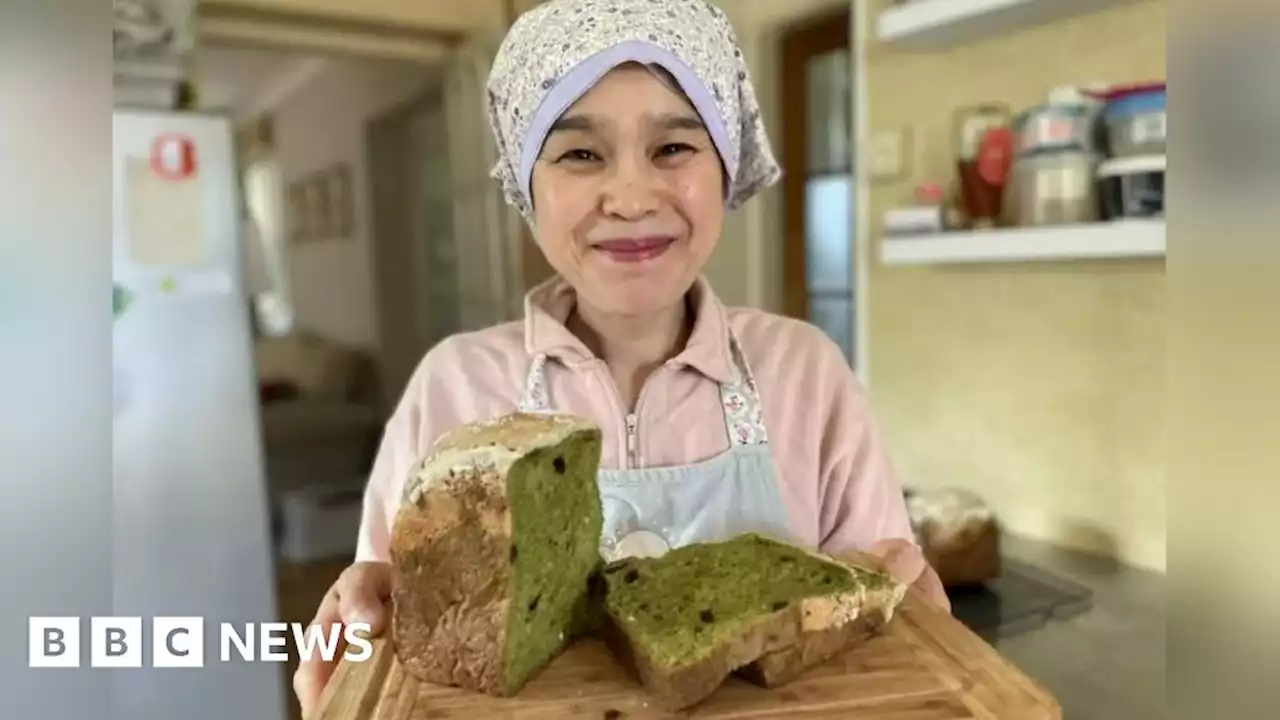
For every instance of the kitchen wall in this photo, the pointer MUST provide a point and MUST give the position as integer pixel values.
(320, 124)
(1040, 386)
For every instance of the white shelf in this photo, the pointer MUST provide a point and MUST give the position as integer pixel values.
(1121, 239)
(942, 24)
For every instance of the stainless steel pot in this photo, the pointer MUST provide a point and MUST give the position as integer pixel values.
(1052, 188)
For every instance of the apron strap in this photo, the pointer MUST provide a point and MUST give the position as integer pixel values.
(535, 398)
(740, 401)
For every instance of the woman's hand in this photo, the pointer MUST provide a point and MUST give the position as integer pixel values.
(906, 564)
(359, 596)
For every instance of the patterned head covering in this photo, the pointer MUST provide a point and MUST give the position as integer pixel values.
(557, 51)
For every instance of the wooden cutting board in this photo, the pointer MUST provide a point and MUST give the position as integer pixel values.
(924, 666)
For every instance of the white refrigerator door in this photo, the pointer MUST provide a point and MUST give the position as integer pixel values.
(191, 536)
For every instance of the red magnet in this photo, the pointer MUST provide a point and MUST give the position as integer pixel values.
(173, 157)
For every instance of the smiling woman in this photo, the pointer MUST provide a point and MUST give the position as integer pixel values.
(628, 195)
(625, 130)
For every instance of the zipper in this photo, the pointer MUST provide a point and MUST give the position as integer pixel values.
(631, 420)
(633, 443)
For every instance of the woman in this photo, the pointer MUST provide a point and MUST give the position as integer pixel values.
(625, 129)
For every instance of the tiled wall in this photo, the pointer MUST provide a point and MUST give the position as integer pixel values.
(1038, 385)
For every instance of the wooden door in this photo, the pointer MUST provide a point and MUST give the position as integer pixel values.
(818, 187)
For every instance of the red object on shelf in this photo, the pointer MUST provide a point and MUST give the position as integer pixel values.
(930, 194)
(173, 156)
(995, 155)
(1123, 91)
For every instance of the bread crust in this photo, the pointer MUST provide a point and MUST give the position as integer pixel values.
(452, 551)
(450, 581)
(820, 644)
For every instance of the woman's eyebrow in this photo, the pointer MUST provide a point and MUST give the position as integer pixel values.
(568, 123)
(661, 121)
(676, 121)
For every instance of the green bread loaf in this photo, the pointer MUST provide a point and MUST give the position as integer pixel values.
(493, 549)
(688, 619)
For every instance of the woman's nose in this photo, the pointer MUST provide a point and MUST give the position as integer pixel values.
(630, 192)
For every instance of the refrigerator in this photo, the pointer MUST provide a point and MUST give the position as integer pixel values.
(191, 522)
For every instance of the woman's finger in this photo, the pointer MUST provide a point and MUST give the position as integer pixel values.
(863, 560)
(907, 564)
(931, 585)
(902, 560)
(362, 595)
(313, 672)
(308, 684)
(358, 596)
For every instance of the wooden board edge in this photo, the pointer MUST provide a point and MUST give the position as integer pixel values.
(933, 621)
(354, 689)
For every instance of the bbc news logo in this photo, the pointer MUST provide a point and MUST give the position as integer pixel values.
(179, 642)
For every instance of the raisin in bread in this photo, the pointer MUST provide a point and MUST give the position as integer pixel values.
(493, 547)
(683, 622)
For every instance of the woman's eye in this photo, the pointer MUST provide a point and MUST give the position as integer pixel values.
(578, 156)
(673, 149)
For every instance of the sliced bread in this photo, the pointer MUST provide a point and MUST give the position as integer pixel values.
(815, 646)
(493, 548)
(683, 622)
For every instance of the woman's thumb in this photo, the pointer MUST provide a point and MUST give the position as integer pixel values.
(903, 560)
(365, 610)
(362, 598)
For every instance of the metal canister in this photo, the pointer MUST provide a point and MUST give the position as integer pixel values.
(1055, 187)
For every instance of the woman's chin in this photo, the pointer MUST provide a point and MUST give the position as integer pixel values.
(634, 295)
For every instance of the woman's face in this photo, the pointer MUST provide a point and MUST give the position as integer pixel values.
(628, 194)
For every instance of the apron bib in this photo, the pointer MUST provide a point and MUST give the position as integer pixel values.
(648, 511)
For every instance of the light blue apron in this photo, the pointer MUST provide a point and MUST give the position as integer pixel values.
(650, 510)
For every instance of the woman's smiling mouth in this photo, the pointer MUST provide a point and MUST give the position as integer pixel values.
(635, 249)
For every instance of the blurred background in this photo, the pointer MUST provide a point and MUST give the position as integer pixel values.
(972, 208)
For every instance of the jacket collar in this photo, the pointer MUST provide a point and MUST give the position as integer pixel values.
(547, 307)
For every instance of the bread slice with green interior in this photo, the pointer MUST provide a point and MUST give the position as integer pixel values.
(493, 548)
(683, 622)
(881, 596)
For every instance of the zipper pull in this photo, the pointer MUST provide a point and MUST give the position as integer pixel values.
(633, 446)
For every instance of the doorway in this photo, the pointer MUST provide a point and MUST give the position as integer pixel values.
(819, 274)
(415, 258)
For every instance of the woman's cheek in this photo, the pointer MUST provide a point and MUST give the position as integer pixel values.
(570, 197)
(562, 206)
(702, 200)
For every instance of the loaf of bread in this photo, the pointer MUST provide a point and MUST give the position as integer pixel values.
(683, 622)
(958, 533)
(493, 548)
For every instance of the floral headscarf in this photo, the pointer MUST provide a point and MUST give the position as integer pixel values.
(558, 50)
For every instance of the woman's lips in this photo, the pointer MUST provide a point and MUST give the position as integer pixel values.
(633, 250)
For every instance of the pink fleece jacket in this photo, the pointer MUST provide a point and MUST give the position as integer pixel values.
(839, 487)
